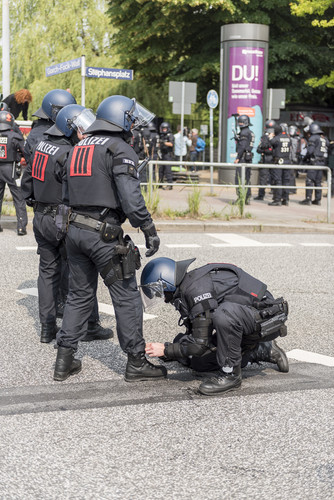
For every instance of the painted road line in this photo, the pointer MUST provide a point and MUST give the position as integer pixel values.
(183, 245)
(310, 357)
(316, 244)
(236, 240)
(26, 248)
(104, 308)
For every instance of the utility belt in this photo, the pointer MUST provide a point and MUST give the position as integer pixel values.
(278, 161)
(269, 320)
(109, 232)
(125, 261)
(44, 209)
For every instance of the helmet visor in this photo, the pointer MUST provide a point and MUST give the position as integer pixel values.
(151, 294)
(83, 121)
(142, 115)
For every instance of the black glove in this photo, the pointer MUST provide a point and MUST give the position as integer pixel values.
(30, 202)
(152, 239)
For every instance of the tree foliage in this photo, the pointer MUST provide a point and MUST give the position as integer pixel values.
(179, 40)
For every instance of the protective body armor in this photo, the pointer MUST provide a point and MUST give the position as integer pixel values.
(245, 145)
(317, 149)
(9, 141)
(281, 144)
(46, 164)
(265, 149)
(204, 288)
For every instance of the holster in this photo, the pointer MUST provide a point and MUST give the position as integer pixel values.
(270, 321)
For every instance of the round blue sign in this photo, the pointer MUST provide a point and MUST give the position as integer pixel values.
(212, 99)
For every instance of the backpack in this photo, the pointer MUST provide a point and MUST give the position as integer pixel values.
(200, 145)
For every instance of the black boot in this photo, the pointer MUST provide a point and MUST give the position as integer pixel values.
(138, 368)
(48, 332)
(223, 383)
(66, 365)
(270, 353)
(96, 332)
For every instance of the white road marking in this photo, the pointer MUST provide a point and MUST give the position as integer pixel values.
(236, 240)
(310, 357)
(316, 244)
(105, 308)
(183, 245)
(26, 248)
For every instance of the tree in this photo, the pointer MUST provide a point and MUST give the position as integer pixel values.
(178, 39)
(304, 8)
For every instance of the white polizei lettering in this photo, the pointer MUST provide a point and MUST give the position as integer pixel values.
(93, 140)
(44, 147)
(204, 296)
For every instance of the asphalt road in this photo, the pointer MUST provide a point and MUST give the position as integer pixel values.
(96, 437)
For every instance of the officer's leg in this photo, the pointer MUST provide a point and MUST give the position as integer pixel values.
(286, 181)
(161, 173)
(276, 181)
(263, 181)
(20, 208)
(169, 176)
(49, 275)
(2, 192)
(237, 180)
(231, 321)
(310, 181)
(317, 183)
(268, 352)
(247, 179)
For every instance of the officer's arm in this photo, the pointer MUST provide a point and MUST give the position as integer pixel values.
(27, 186)
(241, 146)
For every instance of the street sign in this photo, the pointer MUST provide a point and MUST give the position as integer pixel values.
(63, 67)
(189, 90)
(113, 73)
(212, 99)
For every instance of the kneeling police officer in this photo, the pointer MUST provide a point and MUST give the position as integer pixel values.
(231, 319)
(102, 189)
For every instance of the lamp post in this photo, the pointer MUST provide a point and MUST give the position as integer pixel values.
(5, 49)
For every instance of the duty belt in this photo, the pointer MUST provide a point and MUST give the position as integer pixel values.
(86, 222)
(45, 209)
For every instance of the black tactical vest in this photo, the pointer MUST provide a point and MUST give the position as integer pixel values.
(90, 167)
(8, 146)
(204, 288)
(47, 187)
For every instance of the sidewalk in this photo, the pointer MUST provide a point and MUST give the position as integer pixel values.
(219, 215)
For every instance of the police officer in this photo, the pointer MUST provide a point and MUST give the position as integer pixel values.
(11, 152)
(102, 189)
(281, 144)
(166, 141)
(221, 298)
(244, 145)
(39, 126)
(317, 154)
(266, 151)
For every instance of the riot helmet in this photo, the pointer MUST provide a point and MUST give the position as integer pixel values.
(151, 126)
(293, 130)
(4, 106)
(159, 276)
(53, 102)
(269, 124)
(118, 113)
(73, 118)
(243, 121)
(284, 128)
(163, 126)
(315, 129)
(6, 120)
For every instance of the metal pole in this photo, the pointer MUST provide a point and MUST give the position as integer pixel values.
(83, 81)
(270, 104)
(220, 132)
(182, 119)
(211, 150)
(5, 49)
(329, 190)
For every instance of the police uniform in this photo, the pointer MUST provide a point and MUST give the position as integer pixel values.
(244, 146)
(11, 151)
(317, 154)
(281, 177)
(166, 155)
(35, 136)
(42, 185)
(101, 174)
(266, 151)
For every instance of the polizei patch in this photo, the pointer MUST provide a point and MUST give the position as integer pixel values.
(204, 296)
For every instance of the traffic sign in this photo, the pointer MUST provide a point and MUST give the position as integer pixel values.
(113, 73)
(212, 99)
(63, 67)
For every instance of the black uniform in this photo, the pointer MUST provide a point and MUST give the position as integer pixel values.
(281, 144)
(317, 154)
(266, 151)
(101, 186)
(244, 146)
(224, 299)
(11, 151)
(42, 182)
(167, 153)
(35, 135)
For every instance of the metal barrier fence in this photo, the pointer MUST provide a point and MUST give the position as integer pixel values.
(231, 167)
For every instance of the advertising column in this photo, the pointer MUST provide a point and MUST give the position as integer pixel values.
(244, 82)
